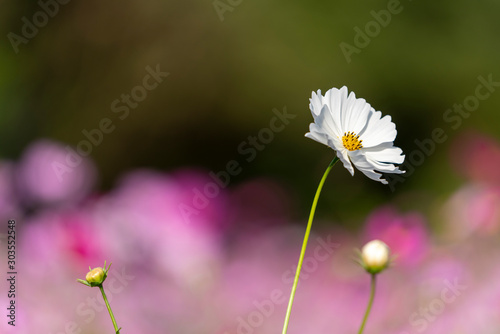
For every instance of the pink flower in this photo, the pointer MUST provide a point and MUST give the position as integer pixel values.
(144, 224)
(50, 173)
(52, 238)
(473, 208)
(406, 235)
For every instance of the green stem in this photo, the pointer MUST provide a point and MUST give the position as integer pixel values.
(304, 244)
(117, 330)
(370, 302)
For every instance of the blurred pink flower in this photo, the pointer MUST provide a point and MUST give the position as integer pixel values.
(49, 173)
(484, 211)
(406, 235)
(144, 226)
(62, 238)
(477, 156)
(54, 248)
(473, 208)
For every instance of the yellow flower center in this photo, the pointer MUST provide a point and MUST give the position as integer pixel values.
(351, 141)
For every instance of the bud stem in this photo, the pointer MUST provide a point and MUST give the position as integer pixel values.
(370, 302)
(117, 330)
(304, 244)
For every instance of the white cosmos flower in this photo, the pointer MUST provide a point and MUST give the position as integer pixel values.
(358, 133)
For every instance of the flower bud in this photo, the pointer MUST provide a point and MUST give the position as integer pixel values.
(375, 256)
(96, 276)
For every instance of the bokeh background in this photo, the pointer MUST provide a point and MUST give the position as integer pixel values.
(222, 263)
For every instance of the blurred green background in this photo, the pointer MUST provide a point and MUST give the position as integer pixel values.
(226, 76)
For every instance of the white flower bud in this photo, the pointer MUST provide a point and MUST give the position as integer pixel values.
(375, 256)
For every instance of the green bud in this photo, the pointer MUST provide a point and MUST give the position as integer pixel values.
(96, 276)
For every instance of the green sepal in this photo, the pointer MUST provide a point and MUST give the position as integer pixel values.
(83, 282)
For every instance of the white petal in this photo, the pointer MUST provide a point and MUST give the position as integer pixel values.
(359, 160)
(369, 166)
(325, 121)
(347, 104)
(316, 103)
(336, 99)
(382, 161)
(378, 130)
(388, 155)
(316, 133)
(383, 167)
(342, 154)
(357, 114)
